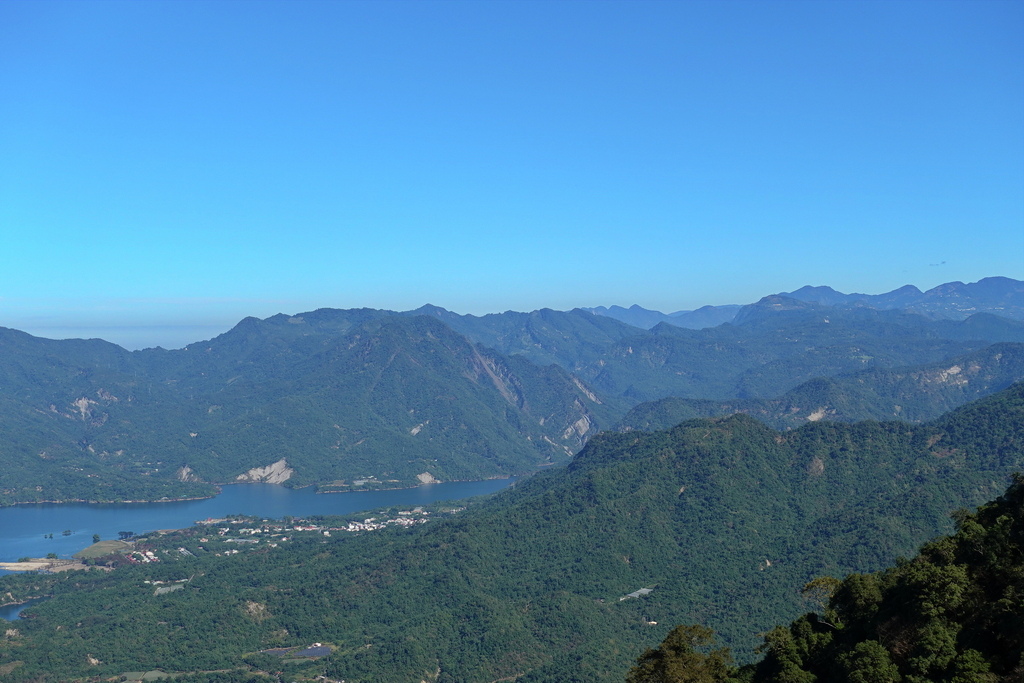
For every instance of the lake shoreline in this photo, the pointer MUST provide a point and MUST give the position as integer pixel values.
(35, 530)
(244, 483)
(72, 501)
(25, 601)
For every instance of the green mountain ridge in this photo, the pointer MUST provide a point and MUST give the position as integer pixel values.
(951, 614)
(915, 394)
(775, 345)
(331, 397)
(774, 351)
(374, 396)
(719, 517)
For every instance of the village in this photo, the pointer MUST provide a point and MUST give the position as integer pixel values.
(232, 535)
(284, 531)
(213, 537)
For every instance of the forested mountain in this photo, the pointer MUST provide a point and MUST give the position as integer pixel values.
(55, 396)
(771, 347)
(348, 395)
(391, 396)
(572, 339)
(775, 347)
(915, 394)
(720, 518)
(332, 397)
(953, 613)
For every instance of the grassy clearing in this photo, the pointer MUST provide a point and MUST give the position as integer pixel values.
(102, 548)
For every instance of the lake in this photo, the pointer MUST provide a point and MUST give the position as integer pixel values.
(12, 612)
(24, 529)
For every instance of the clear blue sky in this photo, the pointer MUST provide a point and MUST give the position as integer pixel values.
(167, 168)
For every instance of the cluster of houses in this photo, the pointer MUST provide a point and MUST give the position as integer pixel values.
(373, 524)
(141, 557)
(405, 518)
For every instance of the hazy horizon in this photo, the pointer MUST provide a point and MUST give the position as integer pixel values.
(183, 332)
(168, 163)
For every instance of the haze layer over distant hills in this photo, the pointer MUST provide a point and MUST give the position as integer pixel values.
(335, 397)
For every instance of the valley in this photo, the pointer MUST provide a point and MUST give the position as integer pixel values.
(350, 399)
(668, 476)
(35, 530)
(721, 517)
(461, 341)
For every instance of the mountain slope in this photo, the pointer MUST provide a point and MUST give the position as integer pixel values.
(952, 613)
(333, 397)
(572, 339)
(337, 395)
(774, 346)
(915, 394)
(399, 396)
(718, 517)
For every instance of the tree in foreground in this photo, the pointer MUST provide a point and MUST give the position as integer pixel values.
(677, 659)
(953, 614)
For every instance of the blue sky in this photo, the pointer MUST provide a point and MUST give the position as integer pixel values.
(167, 168)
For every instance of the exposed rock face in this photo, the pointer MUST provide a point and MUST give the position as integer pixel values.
(817, 414)
(186, 473)
(589, 394)
(580, 427)
(277, 473)
(427, 478)
(257, 611)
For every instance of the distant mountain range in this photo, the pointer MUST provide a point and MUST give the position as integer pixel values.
(705, 316)
(368, 398)
(915, 394)
(719, 517)
(770, 347)
(1000, 296)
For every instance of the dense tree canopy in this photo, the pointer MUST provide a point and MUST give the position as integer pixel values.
(952, 614)
(679, 660)
(718, 518)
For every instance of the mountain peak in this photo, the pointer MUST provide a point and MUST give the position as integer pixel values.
(820, 295)
(770, 305)
(432, 310)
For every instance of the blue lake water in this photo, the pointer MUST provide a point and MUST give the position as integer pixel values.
(12, 612)
(24, 528)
